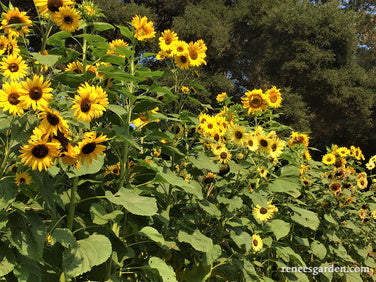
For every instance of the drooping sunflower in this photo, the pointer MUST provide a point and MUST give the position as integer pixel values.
(39, 154)
(52, 121)
(9, 98)
(209, 178)
(35, 93)
(13, 67)
(257, 243)
(167, 39)
(51, 6)
(183, 61)
(76, 66)
(90, 147)
(196, 54)
(115, 44)
(298, 138)
(113, 169)
(274, 97)
(144, 29)
(254, 100)
(67, 18)
(336, 188)
(16, 22)
(329, 159)
(238, 135)
(261, 213)
(223, 155)
(90, 102)
(3, 44)
(23, 178)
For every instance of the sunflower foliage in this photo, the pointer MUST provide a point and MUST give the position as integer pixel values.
(105, 176)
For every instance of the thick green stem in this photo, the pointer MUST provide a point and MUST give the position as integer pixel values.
(45, 36)
(73, 203)
(7, 150)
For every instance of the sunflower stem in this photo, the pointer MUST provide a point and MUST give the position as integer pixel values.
(73, 202)
(7, 150)
(45, 36)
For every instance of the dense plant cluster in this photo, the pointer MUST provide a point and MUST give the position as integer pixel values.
(105, 176)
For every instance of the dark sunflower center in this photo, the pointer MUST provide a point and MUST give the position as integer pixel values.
(210, 125)
(193, 54)
(68, 19)
(85, 105)
(89, 148)
(255, 242)
(168, 40)
(53, 119)
(180, 49)
(54, 5)
(250, 143)
(35, 93)
(22, 180)
(273, 98)
(15, 20)
(216, 137)
(263, 143)
(274, 147)
(238, 135)
(335, 186)
(223, 155)
(263, 210)
(13, 67)
(40, 151)
(256, 102)
(2, 46)
(115, 171)
(183, 59)
(13, 98)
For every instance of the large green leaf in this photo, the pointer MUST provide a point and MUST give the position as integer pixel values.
(279, 228)
(133, 202)
(7, 260)
(84, 169)
(100, 216)
(165, 271)
(232, 204)
(305, 217)
(242, 239)
(57, 39)
(209, 208)
(318, 249)
(152, 234)
(203, 162)
(92, 251)
(64, 236)
(8, 192)
(46, 60)
(197, 240)
(288, 182)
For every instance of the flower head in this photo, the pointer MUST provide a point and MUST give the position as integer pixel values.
(144, 29)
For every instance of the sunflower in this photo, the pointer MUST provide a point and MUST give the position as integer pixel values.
(217, 147)
(305, 181)
(373, 214)
(35, 93)
(209, 178)
(343, 151)
(257, 243)
(3, 44)
(144, 29)
(179, 47)
(9, 98)
(167, 39)
(369, 165)
(183, 60)
(264, 143)
(15, 17)
(196, 54)
(115, 44)
(13, 67)
(90, 102)
(52, 121)
(263, 172)
(274, 98)
(51, 6)
(252, 142)
(238, 135)
(361, 180)
(329, 159)
(69, 156)
(39, 154)
(336, 188)
(76, 67)
(298, 138)
(67, 19)
(276, 147)
(357, 153)
(254, 100)
(113, 169)
(223, 155)
(90, 148)
(185, 89)
(307, 155)
(23, 178)
(221, 97)
(262, 214)
(89, 10)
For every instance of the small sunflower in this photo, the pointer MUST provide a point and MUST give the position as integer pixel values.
(263, 171)
(343, 151)
(3, 44)
(209, 178)
(274, 98)
(35, 93)
(196, 54)
(23, 178)
(51, 6)
(185, 89)
(13, 67)
(89, 10)
(336, 188)
(90, 102)
(144, 29)
(116, 44)
(67, 19)
(373, 214)
(252, 142)
(39, 154)
(167, 39)
(224, 155)
(261, 213)
(254, 100)
(90, 148)
(298, 138)
(329, 159)
(182, 60)
(361, 180)
(76, 67)
(237, 135)
(221, 97)
(113, 169)
(69, 156)
(369, 165)
(276, 147)
(9, 98)
(52, 121)
(257, 243)
(14, 17)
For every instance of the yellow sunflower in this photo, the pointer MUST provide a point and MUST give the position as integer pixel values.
(76, 67)
(251, 142)
(16, 22)
(196, 54)
(90, 148)
(23, 178)
(179, 47)
(52, 121)
(261, 213)
(263, 171)
(90, 102)
(254, 100)
(264, 143)
(3, 44)
(276, 147)
(343, 151)
(209, 178)
(369, 165)
(144, 29)
(113, 169)
(274, 98)
(361, 180)
(167, 39)
(69, 156)
(185, 89)
(35, 93)
(336, 188)
(9, 98)
(51, 6)
(373, 214)
(39, 154)
(257, 243)
(237, 135)
(67, 18)
(183, 60)
(329, 159)
(115, 44)
(13, 67)
(298, 138)
(223, 155)
(221, 97)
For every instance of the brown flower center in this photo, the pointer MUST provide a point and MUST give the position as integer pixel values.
(210, 125)
(238, 135)
(115, 171)
(22, 180)
(13, 67)
(223, 155)
(250, 143)
(273, 98)
(183, 59)
(168, 40)
(180, 49)
(274, 147)
(35, 93)
(255, 242)
(40, 151)
(335, 186)
(193, 54)
(263, 210)
(263, 143)
(85, 105)
(54, 5)
(13, 98)
(53, 119)
(256, 102)
(68, 20)
(15, 20)
(216, 137)
(89, 148)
